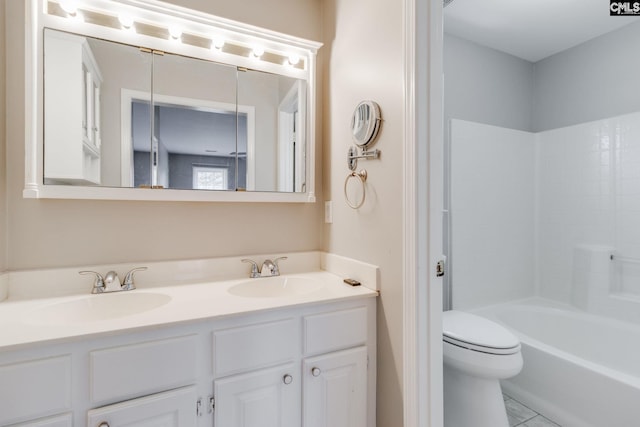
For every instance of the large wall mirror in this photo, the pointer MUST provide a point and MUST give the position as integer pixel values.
(120, 116)
(181, 116)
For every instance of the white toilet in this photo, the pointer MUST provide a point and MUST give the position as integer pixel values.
(477, 354)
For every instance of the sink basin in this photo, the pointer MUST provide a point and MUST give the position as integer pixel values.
(273, 287)
(98, 307)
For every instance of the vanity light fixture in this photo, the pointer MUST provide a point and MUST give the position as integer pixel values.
(258, 51)
(175, 32)
(217, 40)
(126, 20)
(69, 6)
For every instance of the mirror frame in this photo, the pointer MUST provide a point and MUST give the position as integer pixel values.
(161, 15)
(371, 123)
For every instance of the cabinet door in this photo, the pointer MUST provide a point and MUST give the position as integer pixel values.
(335, 389)
(175, 408)
(265, 398)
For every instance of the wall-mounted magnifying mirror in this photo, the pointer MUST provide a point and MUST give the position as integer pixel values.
(365, 123)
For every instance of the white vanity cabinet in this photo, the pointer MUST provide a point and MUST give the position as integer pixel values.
(257, 370)
(40, 387)
(320, 378)
(265, 398)
(335, 389)
(310, 365)
(335, 372)
(73, 110)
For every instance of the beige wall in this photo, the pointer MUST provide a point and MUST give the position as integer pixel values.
(52, 233)
(300, 18)
(364, 60)
(3, 187)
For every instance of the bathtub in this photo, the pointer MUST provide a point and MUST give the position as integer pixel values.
(580, 370)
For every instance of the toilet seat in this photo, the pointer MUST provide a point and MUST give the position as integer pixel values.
(477, 334)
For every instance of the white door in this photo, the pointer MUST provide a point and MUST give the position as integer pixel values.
(266, 398)
(176, 408)
(335, 389)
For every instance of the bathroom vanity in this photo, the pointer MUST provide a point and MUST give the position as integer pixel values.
(206, 353)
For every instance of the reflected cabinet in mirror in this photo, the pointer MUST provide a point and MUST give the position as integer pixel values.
(120, 116)
(177, 119)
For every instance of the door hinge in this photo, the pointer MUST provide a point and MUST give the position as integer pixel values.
(367, 361)
(210, 408)
(440, 268)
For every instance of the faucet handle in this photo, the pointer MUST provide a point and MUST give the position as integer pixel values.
(98, 284)
(127, 284)
(255, 271)
(276, 269)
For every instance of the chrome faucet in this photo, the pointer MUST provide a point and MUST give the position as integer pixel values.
(269, 268)
(111, 282)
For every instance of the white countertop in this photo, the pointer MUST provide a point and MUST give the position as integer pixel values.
(190, 302)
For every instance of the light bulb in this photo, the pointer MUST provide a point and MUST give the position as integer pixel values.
(175, 32)
(294, 59)
(258, 51)
(217, 43)
(126, 20)
(69, 6)
(77, 17)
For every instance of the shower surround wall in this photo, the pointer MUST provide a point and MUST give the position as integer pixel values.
(585, 188)
(492, 214)
(531, 205)
(589, 195)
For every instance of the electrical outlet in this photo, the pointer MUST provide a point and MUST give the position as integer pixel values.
(328, 212)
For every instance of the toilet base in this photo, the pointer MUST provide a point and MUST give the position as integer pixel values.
(472, 401)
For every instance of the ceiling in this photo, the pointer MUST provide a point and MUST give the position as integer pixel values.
(531, 29)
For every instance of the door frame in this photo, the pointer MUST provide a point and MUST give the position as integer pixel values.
(423, 187)
(127, 96)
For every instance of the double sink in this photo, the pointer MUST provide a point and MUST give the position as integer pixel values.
(91, 308)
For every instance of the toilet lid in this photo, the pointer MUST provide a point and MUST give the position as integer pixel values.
(477, 333)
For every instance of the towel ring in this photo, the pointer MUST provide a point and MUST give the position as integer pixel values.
(362, 176)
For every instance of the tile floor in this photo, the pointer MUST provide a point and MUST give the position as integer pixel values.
(521, 416)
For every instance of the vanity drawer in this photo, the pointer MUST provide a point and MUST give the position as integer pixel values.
(254, 346)
(38, 388)
(335, 330)
(137, 370)
(58, 421)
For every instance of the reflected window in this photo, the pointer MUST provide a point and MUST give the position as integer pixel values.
(210, 178)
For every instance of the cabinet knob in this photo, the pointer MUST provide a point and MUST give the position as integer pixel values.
(287, 379)
(316, 372)
(103, 424)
